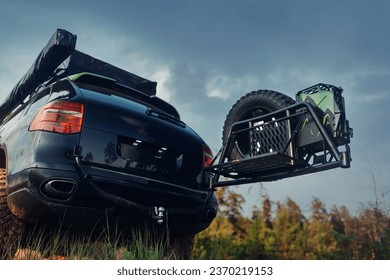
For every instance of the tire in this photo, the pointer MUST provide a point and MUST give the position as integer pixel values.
(253, 104)
(11, 227)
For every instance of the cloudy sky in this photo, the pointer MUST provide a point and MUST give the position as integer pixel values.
(206, 54)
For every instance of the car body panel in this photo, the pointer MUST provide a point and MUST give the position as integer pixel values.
(135, 141)
(130, 151)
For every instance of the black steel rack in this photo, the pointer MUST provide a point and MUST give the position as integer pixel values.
(275, 151)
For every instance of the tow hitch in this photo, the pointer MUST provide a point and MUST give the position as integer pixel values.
(159, 214)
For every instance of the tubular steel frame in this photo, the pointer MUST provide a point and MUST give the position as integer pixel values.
(290, 161)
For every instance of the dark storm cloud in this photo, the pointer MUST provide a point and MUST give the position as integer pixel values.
(235, 36)
(242, 36)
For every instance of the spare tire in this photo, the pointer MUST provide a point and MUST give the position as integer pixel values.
(252, 104)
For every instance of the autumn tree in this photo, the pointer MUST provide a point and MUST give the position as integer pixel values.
(224, 237)
(284, 233)
(319, 232)
(288, 239)
(259, 232)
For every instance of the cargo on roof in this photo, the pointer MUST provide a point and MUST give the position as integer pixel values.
(59, 58)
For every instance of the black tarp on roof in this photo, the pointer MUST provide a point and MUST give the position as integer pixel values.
(79, 62)
(59, 47)
(60, 56)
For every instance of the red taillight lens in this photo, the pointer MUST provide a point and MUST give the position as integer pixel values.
(207, 156)
(60, 116)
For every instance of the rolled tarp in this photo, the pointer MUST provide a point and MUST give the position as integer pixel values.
(79, 62)
(60, 46)
(59, 58)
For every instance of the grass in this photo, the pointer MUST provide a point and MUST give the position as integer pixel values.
(42, 243)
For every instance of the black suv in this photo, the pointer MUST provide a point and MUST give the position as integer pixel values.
(83, 141)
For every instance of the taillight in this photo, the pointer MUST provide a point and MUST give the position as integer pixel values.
(207, 156)
(60, 116)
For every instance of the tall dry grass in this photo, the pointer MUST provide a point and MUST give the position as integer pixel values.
(48, 243)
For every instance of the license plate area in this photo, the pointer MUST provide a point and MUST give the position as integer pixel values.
(148, 156)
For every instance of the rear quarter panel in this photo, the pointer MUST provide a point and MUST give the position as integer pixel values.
(25, 149)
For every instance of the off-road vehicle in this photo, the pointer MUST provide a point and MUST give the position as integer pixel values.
(84, 142)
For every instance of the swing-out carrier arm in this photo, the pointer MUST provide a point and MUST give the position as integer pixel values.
(300, 139)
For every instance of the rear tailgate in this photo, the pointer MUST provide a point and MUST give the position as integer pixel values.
(123, 136)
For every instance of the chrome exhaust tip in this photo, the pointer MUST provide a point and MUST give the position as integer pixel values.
(59, 189)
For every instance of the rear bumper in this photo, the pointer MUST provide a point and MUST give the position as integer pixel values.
(76, 199)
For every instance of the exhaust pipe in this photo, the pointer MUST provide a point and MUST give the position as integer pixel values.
(59, 189)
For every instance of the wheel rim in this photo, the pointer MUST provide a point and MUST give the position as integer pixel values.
(243, 139)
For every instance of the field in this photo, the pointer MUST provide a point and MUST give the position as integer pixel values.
(65, 244)
(276, 230)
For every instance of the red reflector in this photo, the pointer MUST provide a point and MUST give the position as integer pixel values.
(60, 116)
(207, 156)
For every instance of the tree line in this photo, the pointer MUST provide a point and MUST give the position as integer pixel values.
(279, 230)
